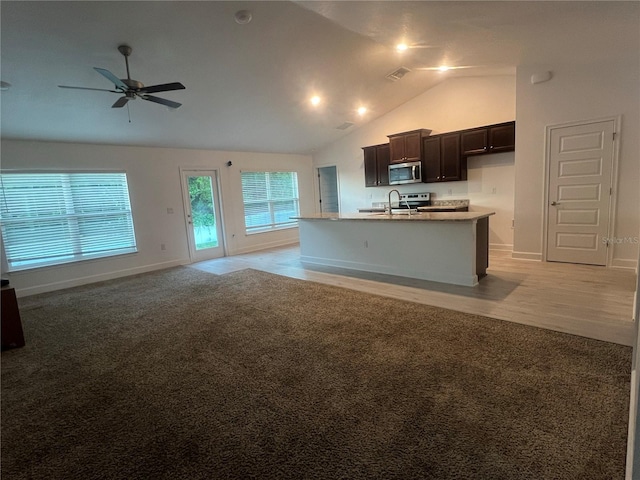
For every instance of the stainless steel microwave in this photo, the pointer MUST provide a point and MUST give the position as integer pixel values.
(410, 172)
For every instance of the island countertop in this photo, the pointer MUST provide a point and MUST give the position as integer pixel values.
(414, 217)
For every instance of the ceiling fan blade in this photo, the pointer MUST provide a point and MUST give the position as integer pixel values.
(87, 88)
(121, 102)
(165, 87)
(161, 101)
(110, 76)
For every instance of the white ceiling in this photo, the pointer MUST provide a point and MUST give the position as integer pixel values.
(247, 86)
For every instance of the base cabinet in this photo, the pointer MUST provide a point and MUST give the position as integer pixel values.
(376, 165)
(442, 159)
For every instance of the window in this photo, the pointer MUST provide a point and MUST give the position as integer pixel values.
(270, 199)
(54, 218)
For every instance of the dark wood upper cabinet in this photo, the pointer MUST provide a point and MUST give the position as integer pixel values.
(376, 165)
(442, 159)
(407, 146)
(490, 139)
(431, 162)
(502, 138)
(451, 162)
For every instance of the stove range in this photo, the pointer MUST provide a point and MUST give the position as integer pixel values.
(413, 200)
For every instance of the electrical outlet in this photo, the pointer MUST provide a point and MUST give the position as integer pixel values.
(169, 210)
(163, 246)
(493, 190)
(450, 192)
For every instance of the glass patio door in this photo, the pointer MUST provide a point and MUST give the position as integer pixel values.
(202, 210)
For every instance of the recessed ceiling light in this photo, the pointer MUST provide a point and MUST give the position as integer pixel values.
(243, 17)
(401, 47)
(444, 68)
(362, 111)
(315, 100)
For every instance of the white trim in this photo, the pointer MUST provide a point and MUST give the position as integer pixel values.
(75, 282)
(527, 256)
(617, 120)
(265, 246)
(505, 247)
(624, 263)
(470, 280)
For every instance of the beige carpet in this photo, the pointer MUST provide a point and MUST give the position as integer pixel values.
(181, 374)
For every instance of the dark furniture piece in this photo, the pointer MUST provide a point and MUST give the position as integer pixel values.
(376, 165)
(442, 159)
(12, 335)
(500, 137)
(407, 146)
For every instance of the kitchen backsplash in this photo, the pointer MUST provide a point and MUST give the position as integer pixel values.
(450, 203)
(435, 203)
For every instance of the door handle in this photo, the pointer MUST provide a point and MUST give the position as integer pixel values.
(554, 203)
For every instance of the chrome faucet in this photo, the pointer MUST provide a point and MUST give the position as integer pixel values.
(399, 201)
(399, 198)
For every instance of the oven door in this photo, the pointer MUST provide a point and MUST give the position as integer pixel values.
(410, 172)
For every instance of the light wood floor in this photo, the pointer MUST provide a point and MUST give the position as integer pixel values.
(590, 301)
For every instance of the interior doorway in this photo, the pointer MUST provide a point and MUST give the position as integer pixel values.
(580, 175)
(328, 188)
(202, 210)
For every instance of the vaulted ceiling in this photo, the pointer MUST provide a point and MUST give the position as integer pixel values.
(248, 85)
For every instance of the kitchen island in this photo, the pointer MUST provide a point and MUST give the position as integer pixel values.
(447, 247)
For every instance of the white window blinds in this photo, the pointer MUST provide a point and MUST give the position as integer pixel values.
(270, 199)
(54, 218)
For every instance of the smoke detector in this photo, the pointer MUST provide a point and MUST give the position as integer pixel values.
(398, 74)
(243, 17)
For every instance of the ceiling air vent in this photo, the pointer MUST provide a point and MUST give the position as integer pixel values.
(398, 74)
(345, 125)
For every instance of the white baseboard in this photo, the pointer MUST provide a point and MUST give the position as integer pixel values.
(624, 263)
(527, 256)
(501, 246)
(76, 282)
(264, 246)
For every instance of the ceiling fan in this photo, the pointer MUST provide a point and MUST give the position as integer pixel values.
(133, 89)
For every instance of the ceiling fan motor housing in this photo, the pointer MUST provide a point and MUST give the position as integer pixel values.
(132, 84)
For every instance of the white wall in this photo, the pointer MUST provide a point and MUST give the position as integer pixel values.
(454, 104)
(155, 186)
(577, 92)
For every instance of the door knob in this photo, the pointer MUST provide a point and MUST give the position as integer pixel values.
(554, 203)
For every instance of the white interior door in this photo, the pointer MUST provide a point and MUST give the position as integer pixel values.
(202, 210)
(580, 174)
(328, 186)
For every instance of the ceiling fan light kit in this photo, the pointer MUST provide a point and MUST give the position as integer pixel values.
(132, 89)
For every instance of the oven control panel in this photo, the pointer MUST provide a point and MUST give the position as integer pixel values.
(416, 197)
